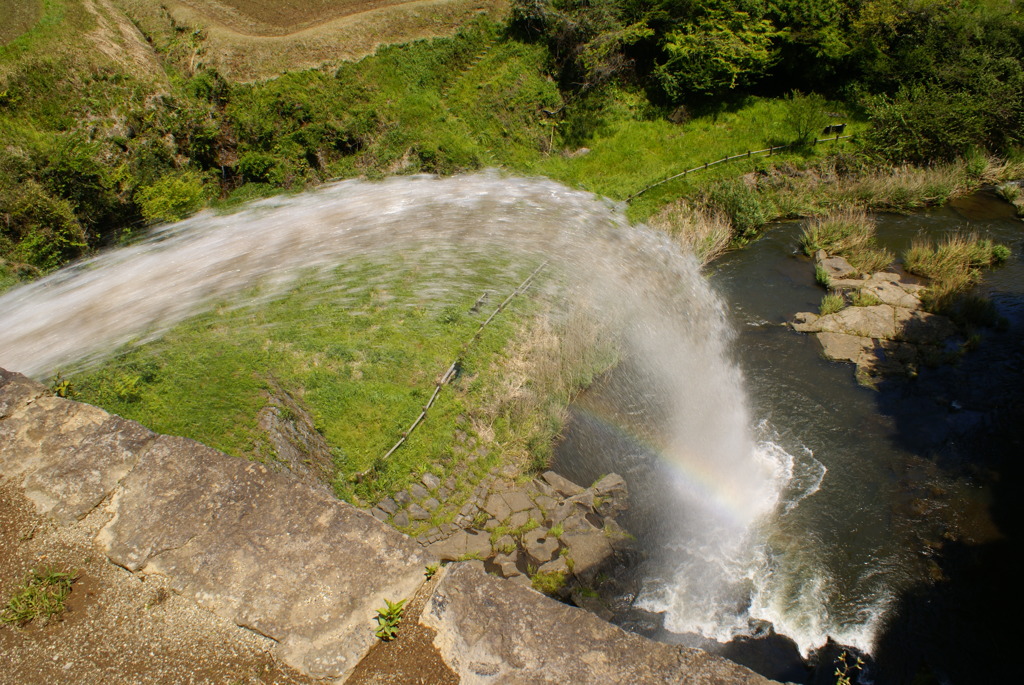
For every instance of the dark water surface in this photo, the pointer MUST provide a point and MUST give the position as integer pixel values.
(904, 548)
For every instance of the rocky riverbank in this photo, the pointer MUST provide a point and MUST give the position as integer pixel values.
(881, 325)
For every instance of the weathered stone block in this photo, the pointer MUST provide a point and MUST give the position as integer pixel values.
(262, 550)
(17, 392)
(69, 455)
(493, 631)
(561, 485)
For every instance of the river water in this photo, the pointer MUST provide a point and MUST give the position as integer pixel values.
(890, 507)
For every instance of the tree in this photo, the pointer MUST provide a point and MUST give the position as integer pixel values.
(722, 50)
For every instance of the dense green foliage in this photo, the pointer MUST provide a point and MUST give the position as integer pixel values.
(94, 151)
(936, 77)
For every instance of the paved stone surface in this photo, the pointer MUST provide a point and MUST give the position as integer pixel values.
(494, 631)
(497, 508)
(69, 455)
(835, 267)
(460, 545)
(418, 513)
(263, 550)
(540, 546)
(588, 551)
(517, 501)
(430, 481)
(844, 347)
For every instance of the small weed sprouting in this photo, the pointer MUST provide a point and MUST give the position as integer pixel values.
(821, 277)
(548, 582)
(831, 303)
(557, 530)
(431, 570)
(388, 619)
(61, 387)
(864, 299)
(42, 595)
(846, 670)
(480, 519)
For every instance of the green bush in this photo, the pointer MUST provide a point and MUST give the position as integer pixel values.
(747, 209)
(173, 197)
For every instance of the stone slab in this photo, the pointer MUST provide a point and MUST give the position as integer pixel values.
(562, 486)
(495, 631)
(68, 456)
(263, 550)
(17, 392)
(844, 347)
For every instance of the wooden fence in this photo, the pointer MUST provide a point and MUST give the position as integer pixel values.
(768, 152)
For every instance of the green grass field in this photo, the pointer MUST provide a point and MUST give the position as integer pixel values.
(361, 350)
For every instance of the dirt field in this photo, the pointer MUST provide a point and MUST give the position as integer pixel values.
(249, 40)
(272, 18)
(118, 627)
(19, 16)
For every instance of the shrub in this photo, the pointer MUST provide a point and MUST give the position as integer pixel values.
(704, 232)
(549, 582)
(173, 197)
(746, 208)
(805, 116)
(822, 277)
(954, 265)
(864, 299)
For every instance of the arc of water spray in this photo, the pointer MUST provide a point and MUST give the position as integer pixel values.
(451, 372)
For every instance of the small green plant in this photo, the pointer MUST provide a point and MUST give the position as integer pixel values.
(431, 570)
(548, 582)
(822, 277)
(42, 595)
(388, 619)
(864, 299)
(831, 303)
(557, 530)
(62, 387)
(846, 670)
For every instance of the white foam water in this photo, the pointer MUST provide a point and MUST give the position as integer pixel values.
(645, 291)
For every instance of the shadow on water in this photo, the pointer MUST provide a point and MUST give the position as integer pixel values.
(969, 420)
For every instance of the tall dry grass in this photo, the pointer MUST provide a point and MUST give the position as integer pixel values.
(551, 360)
(849, 233)
(952, 265)
(704, 232)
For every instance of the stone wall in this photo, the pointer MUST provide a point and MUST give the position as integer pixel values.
(282, 557)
